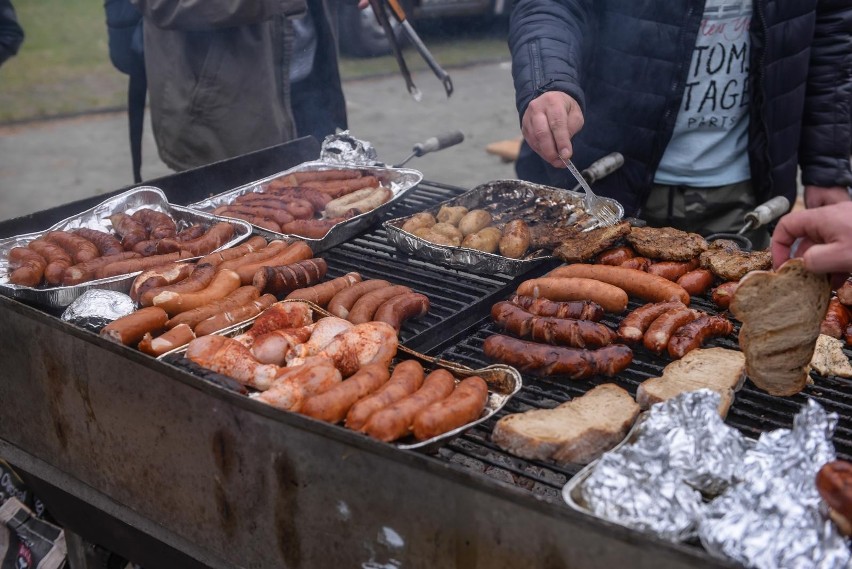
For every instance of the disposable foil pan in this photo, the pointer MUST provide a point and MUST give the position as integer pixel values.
(399, 180)
(503, 381)
(506, 200)
(98, 218)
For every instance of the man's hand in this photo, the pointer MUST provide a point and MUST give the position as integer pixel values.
(363, 4)
(826, 238)
(816, 196)
(549, 123)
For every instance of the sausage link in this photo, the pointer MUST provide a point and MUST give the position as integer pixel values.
(661, 330)
(333, 405)
(281, 196)
(577, 309)
(200, 277)
(395, 420)
(311, 228)
(130, 329)
(342, 302)
(158, 224)
(27, 267)
(633, 326)
(295, 252)
(407, 377)
(272, 249)
(192, 232)
(252, 245)
(615, 256)
(464, 405)
(693, 335)
(278, 216)
(837, 319)
(544, 360)
(834, 484)
(545, 329)
(224, 283)
(166, 342)
(137, 264)
(106, 243)
(610, 297)
(158, 277)
(284, 279)
(400, 308)
(366, 306)
(337, 188)
(637, 263)
(696, 282)
(83, 272)
(238, 297)
(57, 259)
(130, 230)
(80, 250)
(214, 238)
(722, 294)
(651, 288)
(321, 294)
(157, 247)
(299, 178)
(673, 270)
(234, 315)
(844, 293)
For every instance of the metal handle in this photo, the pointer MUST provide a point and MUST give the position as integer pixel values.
(603, 167)
(438, 142)
(765, 213)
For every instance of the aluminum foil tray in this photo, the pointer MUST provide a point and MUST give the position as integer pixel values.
(98, 218)
(503, 381)
(505, 200)
(399, 180)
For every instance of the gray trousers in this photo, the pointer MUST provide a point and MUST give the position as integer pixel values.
(719, 209)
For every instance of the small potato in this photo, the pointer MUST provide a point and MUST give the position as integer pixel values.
(441, 239)
(422, 219)
(421, 232)
(450, 231)
(486, 240)
(515, 240)
(451, 214)
(473, 221)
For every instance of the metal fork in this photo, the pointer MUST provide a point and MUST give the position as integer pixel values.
(595, 205)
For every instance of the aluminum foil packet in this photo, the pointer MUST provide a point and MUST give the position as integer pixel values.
(654, 482)
(344, 149)
(96, 308)
(774, 516)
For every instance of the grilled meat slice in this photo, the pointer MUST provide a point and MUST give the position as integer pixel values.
(545, 236)
(585, 245)
(666, 243)
(726, 260)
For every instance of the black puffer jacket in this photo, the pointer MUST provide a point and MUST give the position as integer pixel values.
(625, 62)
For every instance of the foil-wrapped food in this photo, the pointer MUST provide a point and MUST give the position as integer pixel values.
(96, 308)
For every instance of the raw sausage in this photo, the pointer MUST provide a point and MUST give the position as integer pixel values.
(395, 420)
(464, 405)
(696, 282)
(401, 308)
(559, 331)
(333, 405)
(130, 329)
(281, 280)
(577, 309)
(633, 326)
(366, 306)
(610, 297)
(321, 294)
(342, 302)
(200, 277)
(693, 335)
(168, 341)
(636, 283)
(660, 331)
(234, 315)
(543, 360)
(407, 377)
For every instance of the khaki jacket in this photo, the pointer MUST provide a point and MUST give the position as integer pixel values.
(217, 77)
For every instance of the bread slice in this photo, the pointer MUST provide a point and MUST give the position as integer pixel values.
(719, 369)
(576, 432)
(781, 313)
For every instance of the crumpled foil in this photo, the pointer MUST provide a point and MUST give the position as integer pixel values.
(343, 148)
(774, 517)
(655, 481)
(96, 308)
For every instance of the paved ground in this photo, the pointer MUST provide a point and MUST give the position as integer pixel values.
(50, 163)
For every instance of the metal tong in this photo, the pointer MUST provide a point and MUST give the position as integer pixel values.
(381, 13)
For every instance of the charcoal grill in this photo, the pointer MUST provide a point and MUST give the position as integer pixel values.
(171, 469)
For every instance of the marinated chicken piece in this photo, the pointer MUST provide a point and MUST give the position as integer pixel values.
(666, 243)
(273, 347)
(585, 245)
(227, 356)
(277, 317)
(727, 261)
(296, 384)
(370, 342)
(829, 359)
(325, 330)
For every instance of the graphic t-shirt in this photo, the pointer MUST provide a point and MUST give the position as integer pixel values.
(709, 143)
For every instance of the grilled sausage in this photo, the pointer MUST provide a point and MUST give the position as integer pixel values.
(844, 293)
(321, 294)
(543, 360)
(224, 283)
(311, 228)
(56, 258)
(27, 267)
(278, 198)
(342, 302)
(158, 224)
(130, 230)
(89, 270)
(673, 270)
(559, 331)
(633, 326)
(106, 243)
(280, 280)
(277, 215)
(696, 282)
(238, 297)
(395, 420)
(400, 308)
(464, 405)
(159, 277)
(166, 342)
(214, 238)
(128, 266)
(638, 263)
(837, 319)
(80, 249)
(299, 178)
(642, 285)
(407, 377)
(362, 201)
(834, 484)
(333, 405)
(615, 256)
(252, 245)
(661, 329)
(191, 232)
(367, 305)
(578, 309)
(693, 335)
(253, 257)
(611, 298)
(200, 277)
(130, 329)
(722, 294)
(337, 188)
(234, 315)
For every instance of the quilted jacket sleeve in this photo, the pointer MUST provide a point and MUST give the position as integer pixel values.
(827, 122)
(548, 40)
(201, 15)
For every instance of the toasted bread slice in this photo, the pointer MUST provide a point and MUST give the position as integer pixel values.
(781, 313)
(719, 369)
(576, 432)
